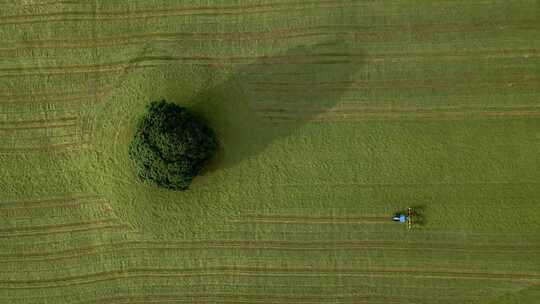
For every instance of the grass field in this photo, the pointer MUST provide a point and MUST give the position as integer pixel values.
(331, 114)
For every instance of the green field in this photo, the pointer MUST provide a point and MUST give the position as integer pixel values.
(331, 115)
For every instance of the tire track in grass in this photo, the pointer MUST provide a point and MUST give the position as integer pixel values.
(247, 271)
(290, 219)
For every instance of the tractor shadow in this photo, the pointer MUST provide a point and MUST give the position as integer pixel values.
(418, 215)
(274, 96)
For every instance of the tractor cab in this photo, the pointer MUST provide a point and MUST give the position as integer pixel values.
(402, 218)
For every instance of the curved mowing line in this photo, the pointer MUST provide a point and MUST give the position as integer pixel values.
(171, 12)
(261, 272)
(130, 246)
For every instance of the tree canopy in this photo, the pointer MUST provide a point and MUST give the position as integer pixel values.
(171, 146)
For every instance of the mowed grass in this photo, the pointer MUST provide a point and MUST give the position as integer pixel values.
(331, 115)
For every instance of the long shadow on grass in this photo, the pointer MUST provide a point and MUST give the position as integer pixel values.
(273, 96)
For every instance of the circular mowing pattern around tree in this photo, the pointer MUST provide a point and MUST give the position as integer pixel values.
(171, 146)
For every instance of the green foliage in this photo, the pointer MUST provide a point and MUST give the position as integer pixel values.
(171, 146)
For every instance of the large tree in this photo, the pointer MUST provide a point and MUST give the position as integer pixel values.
(171, 146)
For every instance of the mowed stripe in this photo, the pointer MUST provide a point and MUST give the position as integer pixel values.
(53, 148)
(51, 203)
(367, 31)
(42, 97)
(46, 135)
(114, 66)
(517, 79)
(331, 297)
(226, 61)
(239, 271)
(245, 298)
(175, 11)
(131, 246)
(451, 85)
(10, 126)
(75, 69)
(294, 108)
(61, 228)
(392, 115)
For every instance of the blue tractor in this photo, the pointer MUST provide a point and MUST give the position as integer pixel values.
(404, 218)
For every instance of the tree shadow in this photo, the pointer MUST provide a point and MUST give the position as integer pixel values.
(273, 96)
